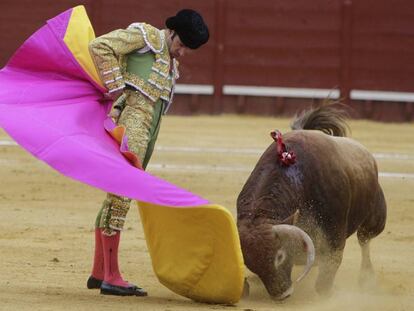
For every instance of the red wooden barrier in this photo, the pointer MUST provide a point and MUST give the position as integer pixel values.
(352, 46)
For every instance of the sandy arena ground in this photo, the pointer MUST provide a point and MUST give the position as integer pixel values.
(46, 231)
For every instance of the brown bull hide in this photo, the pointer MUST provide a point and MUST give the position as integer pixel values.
(333, 184)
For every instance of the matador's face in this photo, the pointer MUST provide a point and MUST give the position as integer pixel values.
(176, 48)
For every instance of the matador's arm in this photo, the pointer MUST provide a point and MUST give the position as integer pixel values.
(106, 50)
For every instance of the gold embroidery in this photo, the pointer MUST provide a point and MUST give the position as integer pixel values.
(159, 81)
(142, 86)
(114, 211)
(153, 37)
(137, 119)
(107, 52)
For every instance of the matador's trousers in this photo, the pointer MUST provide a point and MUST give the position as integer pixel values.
(141, 119)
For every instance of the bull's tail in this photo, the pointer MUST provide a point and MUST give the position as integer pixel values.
(328, 118)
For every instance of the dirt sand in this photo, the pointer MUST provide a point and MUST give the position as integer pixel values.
(46, 231)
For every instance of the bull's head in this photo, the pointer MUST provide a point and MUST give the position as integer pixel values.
(273, 256)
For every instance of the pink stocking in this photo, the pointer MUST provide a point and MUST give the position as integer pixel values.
(98, 260)
(110, 251)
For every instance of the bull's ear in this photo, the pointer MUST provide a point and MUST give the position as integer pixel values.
(292, 219)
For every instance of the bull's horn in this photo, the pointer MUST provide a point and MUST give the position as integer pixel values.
(303, 239)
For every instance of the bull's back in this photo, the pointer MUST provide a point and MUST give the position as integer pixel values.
(341, 153)
(340, 179)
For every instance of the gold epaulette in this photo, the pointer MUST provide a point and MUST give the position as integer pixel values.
(154, 38)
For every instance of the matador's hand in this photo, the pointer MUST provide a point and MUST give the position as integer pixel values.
(117, 107)
(114, 114)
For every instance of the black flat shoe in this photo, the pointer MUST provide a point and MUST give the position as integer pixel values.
(108, 289)
(93, 283)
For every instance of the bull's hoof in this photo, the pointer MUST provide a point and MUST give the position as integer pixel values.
(367, 280)
(246, 289)
(324, 290)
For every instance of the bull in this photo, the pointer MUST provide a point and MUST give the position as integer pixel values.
(290, 214)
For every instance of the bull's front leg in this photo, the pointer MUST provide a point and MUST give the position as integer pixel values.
(328, 266)
(246, 289)
(367, 275)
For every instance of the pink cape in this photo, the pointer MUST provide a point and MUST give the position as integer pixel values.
(52, 108)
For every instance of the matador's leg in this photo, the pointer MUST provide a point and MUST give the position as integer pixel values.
(137, 119)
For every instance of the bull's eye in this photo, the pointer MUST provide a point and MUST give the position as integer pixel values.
(280, 257)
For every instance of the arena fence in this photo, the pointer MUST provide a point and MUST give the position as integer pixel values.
(271, 57)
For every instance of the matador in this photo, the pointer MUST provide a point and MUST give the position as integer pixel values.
(138, 66)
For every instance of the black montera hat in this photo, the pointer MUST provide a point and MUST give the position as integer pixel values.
(190, 27)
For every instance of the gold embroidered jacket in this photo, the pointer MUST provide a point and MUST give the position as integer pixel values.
(110, 53)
